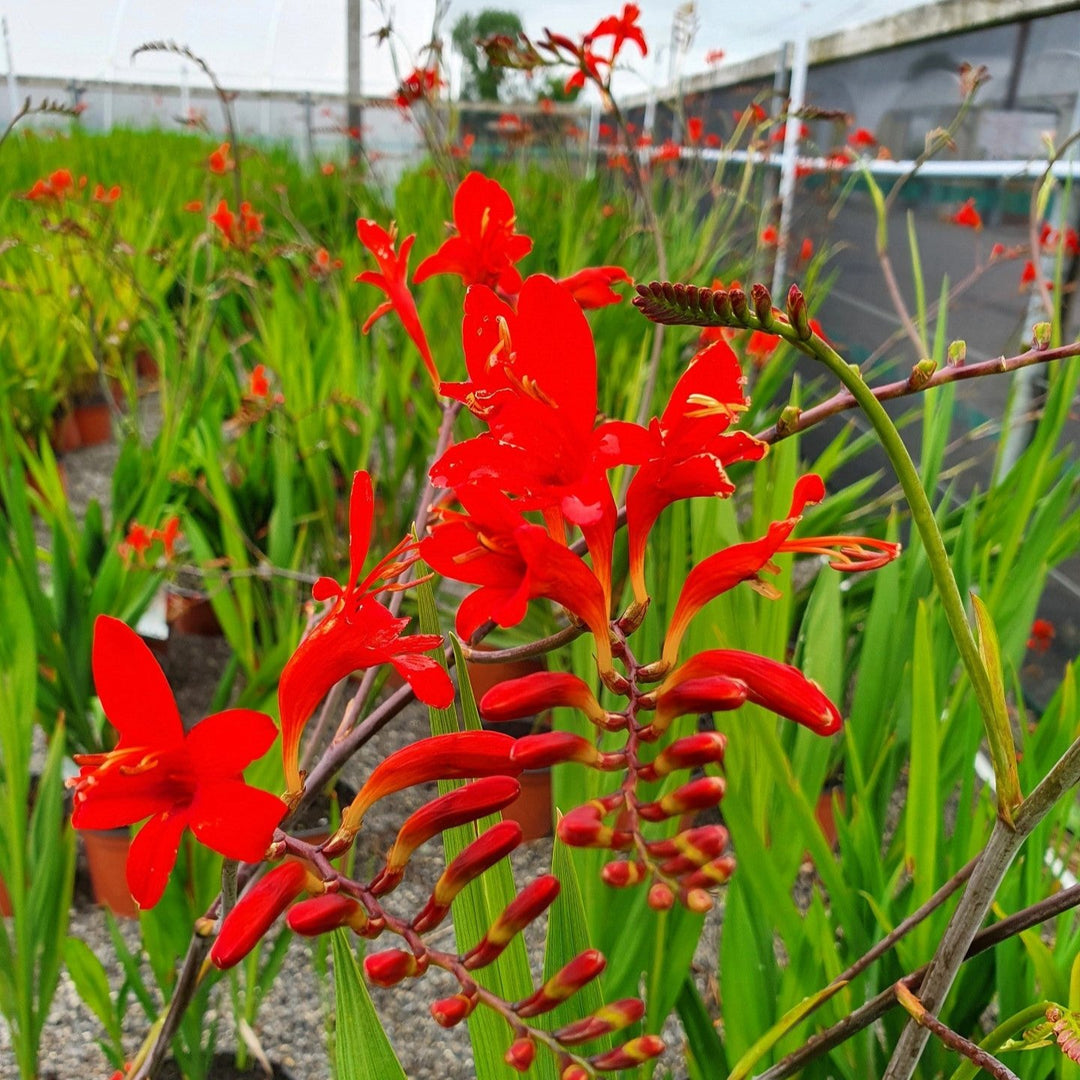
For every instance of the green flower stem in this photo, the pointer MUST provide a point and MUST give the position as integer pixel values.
(922, 514)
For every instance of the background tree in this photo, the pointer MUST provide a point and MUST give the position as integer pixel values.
(481, 81)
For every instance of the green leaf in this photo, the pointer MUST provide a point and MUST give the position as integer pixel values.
(706, 1055)
(363, 1050)
(923, 811)
(88, 974)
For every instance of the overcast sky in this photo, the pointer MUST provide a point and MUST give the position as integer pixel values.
(299, 44)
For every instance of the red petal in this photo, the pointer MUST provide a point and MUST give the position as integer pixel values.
(427, 677)
(153, 855)
(134, 692)
(234, 819)
(361, 511)
(223, 745)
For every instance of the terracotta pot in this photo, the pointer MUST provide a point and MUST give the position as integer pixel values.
(191, 613)
(482, 677)
(532, 808)
(5, 901)
(146, 366)
(106, 858)
(825, 813)
(65, 435)
(94, 422)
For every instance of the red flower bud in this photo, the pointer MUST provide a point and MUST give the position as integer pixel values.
(256, 911)
(521, 1054)
(530, 903)
(701, 843)
(390, 967)
(554, 747)
(584, 826)
(613, 1017)
(717, 693)
(698, 794)
(464, 804)
(621, 874)
(566, 982)
(574, 1072)
(629, 1054)
(452, 1010)
(321, 914)
(661, 897)
(457, 756)
(706, 748)
(482, 853)
(711, 874)
(531, 694)
(696, 900)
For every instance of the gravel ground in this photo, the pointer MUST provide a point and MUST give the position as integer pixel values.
(291, 1023)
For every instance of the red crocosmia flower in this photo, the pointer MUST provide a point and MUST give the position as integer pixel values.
(714, 56)
(137, 542)
(779, 687)
(745, 562)
(55, 188)
(357, 633)
(168, 534)
(760, 345)
(712, 141)
(465, 149)
(418, 85)
(591, 287)
(324, 264)
(769, 236)
(102, 196)
(695, 126)
(328, 168)
(157, 771)
(839, 159)
(512, 562)
(219, 161)
(967, 216)
(1042, 635)
(392, 279)
(689, 447)
(540, 406)
(621, 28)
(486, 247)
(225, 221)
(529, 695)
(258, 383)
(605, 131)
(1027, 275)
(862, 139)
(806, 251)
(195, 206)
(667, 151)
(754, 113)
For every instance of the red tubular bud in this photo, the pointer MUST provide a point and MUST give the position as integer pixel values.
(584, 827)
(622, 874)
(521, 1054)
(711, 874)
(629, 1054)
(701, 843)
(696, 900)
(566, 982)
(554, 747)
(609, 1018)
(706, 748)
(457, 756)
(390, 967)
(698, 794)
(452, 1010)
(480, 855)
(661, 897)
(716, 693)
(256, 911)
(321, 914)
(531, 694)
(457, 807)
(530, 903)
(574, 1072)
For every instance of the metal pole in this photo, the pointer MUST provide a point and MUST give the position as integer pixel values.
(12, 85)
(791, 149)
(268, 61)
(354, 40)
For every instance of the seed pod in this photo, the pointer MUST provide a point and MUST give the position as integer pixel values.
(256, 911)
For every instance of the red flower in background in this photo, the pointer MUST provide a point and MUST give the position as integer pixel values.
(102, 195)
(486, 246)
(621, 28)
(769, 236)
(138, 542)
(55, 188)
(157, 771)
(1042, 635)
(862, 139)
(357, 633)
(967, 216)
(419, 84)
(392, 278)
(591, 287)
(1027, 275)
(695, 126)
(219, 161)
